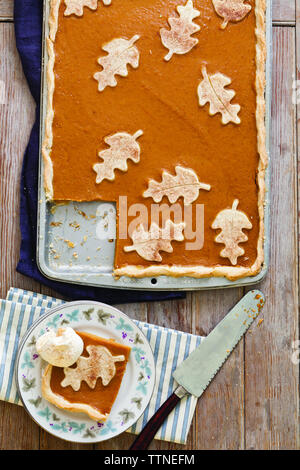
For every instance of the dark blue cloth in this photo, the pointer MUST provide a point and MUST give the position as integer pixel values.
(28, 29)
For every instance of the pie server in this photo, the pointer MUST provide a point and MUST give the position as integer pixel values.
(197, 371)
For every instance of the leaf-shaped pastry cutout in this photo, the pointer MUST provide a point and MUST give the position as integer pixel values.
(76, 6)
(212, 90)
(184, 184)
(100, 363)
(178, 39)
(231, 10)
(232, 222)
(121, 52)
(123, 146)
(148, 244)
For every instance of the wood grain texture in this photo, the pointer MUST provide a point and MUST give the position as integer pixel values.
(16, 118)
(17, 107)
(6, 9)
(284, 11)
(297, 100)
(298, 41)
(271, 379)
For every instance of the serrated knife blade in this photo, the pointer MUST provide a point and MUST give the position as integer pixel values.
(197, 371)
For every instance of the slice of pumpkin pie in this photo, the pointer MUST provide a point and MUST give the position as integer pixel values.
(92, 384)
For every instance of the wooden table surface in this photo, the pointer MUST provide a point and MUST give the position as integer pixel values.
(254, 401)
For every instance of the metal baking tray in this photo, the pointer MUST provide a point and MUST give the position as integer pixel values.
(70, 243)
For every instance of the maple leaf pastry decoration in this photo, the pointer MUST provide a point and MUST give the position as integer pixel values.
(123, 146)
(178, 39)
(76, 6)
(231, 10)
(184, 184)
(148, 244)
(121, 52)
(232, 222)
(212, 90)
(100, 363)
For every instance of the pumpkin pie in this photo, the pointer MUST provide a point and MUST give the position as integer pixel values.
(159, 106)
(92, 384)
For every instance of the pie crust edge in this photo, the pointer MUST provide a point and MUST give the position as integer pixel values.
(229, 272)
(61, 402)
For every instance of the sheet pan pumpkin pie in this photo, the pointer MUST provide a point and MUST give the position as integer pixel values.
(159, 106)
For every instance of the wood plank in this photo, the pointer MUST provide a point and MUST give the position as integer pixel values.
(219, 420)
(297, 102)
(49, 442)
(284, 11)
(16, 118)
(271, 379)
(6, 9)
(298, 39)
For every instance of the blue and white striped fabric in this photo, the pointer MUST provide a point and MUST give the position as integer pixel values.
(21, 308)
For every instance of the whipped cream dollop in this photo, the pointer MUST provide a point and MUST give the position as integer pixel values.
(60, 348)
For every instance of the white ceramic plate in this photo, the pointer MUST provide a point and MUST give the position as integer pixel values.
(136, 388)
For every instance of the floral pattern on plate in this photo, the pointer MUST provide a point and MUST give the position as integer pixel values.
(136, 388)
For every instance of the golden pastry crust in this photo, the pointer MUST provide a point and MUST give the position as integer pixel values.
(231, 273)
(64, 404)
(48, 135)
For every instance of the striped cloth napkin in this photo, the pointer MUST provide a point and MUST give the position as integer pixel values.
(170, 347)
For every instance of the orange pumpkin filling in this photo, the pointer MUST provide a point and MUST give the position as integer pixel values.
(101, 397)
(160, 98)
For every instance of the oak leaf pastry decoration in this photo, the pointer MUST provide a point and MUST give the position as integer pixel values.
(148, 244)
(123, 146)
(184, 184)
(232, 222)
(76, 6)
(212, 90)
(99, 363)
(231, 10)
(178, 39)
(121, 52)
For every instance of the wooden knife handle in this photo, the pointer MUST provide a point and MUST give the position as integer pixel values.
(146, 436)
